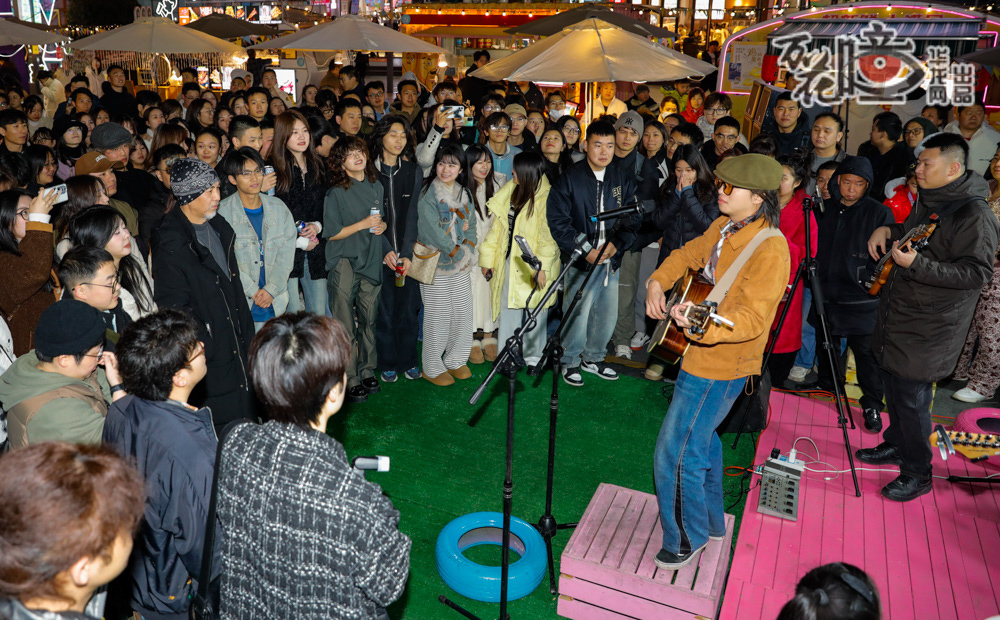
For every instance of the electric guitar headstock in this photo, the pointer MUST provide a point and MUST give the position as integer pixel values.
(974, 446)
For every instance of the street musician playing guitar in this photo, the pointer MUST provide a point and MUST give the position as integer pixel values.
(746, 258)
(927, 304)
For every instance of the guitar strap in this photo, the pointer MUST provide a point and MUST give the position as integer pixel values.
(726, 281)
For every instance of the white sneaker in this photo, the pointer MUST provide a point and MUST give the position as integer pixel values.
(967, 395)
(798, 374)
(623, 352)
(639, 340)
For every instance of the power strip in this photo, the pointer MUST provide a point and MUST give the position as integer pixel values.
(779, 486)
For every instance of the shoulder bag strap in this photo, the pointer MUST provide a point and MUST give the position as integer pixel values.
(726, 282)
(203, 606)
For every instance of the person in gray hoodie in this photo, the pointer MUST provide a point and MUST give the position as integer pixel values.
(56, 392)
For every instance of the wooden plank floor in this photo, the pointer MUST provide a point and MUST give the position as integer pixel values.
(935, 557)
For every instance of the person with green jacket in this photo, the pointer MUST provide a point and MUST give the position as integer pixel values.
(519, 208)
(352, 222)
(55, 392)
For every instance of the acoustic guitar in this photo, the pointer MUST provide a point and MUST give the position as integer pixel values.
(668, 342)
(973, 446)
(915, 240)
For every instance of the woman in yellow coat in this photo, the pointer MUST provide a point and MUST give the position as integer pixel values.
(520, 205)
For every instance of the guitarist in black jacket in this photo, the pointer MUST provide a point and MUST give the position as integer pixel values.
(927, 304)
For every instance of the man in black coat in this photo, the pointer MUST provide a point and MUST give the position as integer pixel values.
(195, 270)
(844, 267)
(889, 157)
(928, 303)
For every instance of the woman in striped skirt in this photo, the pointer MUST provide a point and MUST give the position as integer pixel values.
(446, 222)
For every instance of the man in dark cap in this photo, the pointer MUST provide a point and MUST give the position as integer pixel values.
(745, 254)
(844, 267)
(134, 185)
(195, 269)
(56, 392)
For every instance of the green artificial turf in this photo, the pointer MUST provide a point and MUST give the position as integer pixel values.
(443, 468)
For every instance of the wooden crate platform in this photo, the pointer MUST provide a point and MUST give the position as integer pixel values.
(607, 568)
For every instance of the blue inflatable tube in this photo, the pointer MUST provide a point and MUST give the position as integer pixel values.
(482, 583)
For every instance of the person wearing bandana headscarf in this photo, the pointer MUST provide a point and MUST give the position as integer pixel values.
(195, 269)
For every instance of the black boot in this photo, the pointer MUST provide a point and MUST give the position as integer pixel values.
(882, 454)
(906, 488)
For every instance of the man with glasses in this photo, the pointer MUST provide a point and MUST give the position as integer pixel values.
(173, 445)
(716, 106)
(683, 133)
(195, 270)
(375, 96)
(266, 238)
(725, 138)
(518, 137)
(13, 130)
(88, 274)
(190, 91)
(56, 392)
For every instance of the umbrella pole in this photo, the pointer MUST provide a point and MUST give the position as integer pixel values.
(388, 75)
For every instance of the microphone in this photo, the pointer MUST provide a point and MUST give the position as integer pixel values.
(526, 254)
(371, 463)
(646, 206)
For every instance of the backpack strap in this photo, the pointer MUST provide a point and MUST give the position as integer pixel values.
(726, 281)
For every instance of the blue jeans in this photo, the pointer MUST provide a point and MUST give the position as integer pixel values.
(314, 292)
(807, 352)
(593, 321)
(687, 463)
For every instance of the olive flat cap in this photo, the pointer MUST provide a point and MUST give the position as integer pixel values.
(750, 171)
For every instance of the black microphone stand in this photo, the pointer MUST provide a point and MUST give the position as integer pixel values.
(509, 361)
(547, 525)
(807, 268)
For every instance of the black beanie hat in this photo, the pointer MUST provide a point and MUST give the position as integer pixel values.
(69, 327)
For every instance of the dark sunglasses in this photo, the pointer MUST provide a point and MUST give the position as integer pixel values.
(727, 188)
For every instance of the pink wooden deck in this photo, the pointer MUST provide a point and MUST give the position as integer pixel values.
(607, 568)
(935, 557)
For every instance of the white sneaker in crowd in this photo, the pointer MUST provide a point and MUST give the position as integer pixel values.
(623, 352)
(798, 374)
(967, 395)
(639, 340)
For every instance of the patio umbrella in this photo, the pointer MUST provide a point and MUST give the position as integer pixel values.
(157, 35)
(350, 32)
(595, 51)
(547, 26)
(12, 33)
(989, 57)
(226, 27)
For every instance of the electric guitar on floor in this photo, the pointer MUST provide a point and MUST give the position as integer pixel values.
(668, 342)
(974, 446)
(915, 240)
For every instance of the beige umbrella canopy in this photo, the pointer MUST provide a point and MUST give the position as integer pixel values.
(157, 35)
(12, 33)
(350, 32)
(595, 51)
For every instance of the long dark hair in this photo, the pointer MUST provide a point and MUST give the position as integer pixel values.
(191, 117)
(770, 209)
(800, 163)
(94, 227)
(382, 128)
(69, 155)
(36, 154)
(8, 214)
(451, 152)
(562, 122)
(658, 126)
(283, 159)
(704, 185)
(473, 155)
(339, 176)
(82, 192)
(529, 168)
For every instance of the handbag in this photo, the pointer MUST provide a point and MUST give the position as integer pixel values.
(205, 600)
(424, 264)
